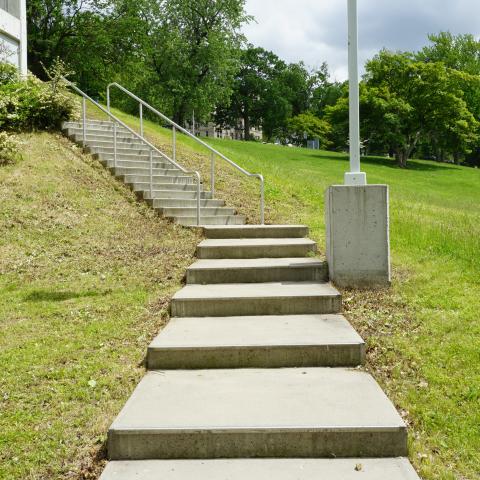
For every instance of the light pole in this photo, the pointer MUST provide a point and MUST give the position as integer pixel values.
(355, 176)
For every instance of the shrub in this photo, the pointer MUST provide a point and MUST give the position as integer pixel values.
(8, 149)
(32, 104)
(8, 73)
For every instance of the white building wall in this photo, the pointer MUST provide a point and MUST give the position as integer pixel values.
(13, 31)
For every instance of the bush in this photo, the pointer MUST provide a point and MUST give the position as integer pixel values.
(35, 105)
(8, 149)
(8, 73)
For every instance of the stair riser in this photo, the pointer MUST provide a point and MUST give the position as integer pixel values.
(157, 179)
(131, 158)
(145, 187)
(257, 357)
(218, 220)
(281, 443)
(137, 164)
(102, 136)
(190, 212)
(173, 194)
(178, 203)
(269, 251)
(255, 306)
(145, 172)
(121, 150)
(257, 232)
(258, 275)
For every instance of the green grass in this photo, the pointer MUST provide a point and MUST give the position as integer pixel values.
(423, 334)
(86, 273)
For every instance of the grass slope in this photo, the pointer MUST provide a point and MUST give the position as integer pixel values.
(86, 274)
(424, 333)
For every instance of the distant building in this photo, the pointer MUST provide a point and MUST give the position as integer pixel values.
(233, 133)
(13, 32)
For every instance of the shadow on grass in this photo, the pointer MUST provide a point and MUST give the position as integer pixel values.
(52, 296)
(413, 164)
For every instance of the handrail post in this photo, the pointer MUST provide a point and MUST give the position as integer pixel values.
(141, 119)
(212, 174)
(108, 98)
(174, 154)
(198, 199)
(262, 201)
(115, 144)
(151, 174)
(84, 119)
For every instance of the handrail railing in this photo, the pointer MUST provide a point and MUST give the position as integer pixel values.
(213, 151)
(85, 97)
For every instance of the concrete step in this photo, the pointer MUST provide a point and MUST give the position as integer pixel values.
(101, 134)
(131, 157)
(211, 220)
(257, 231)
(158, 163)
(286, 298)
(121, 149)
(157, 179)
(146, 171)
(263, 469)
(256, 270)
(192, 211)
(255, 248)
(240, 413)
(182, 203)
(107, 141)
(256, 341)
(172, 194)
(161, 187)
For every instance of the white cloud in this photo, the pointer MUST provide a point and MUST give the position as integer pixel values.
(316, 30)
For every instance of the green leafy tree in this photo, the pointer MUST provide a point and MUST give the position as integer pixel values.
(307, 126)
(193, 52)
(403, 101)
(248, 101)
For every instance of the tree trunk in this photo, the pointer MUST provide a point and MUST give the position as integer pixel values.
(401, 156)
(246, 127)
(456, 158)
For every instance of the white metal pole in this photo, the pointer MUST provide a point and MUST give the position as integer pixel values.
(354, 176)
(23, 38)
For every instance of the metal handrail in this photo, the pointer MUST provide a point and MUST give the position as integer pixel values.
(192, 173)
(213, 151)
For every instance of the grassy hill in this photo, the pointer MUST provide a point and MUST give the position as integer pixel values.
(86, 273)
(423, 334)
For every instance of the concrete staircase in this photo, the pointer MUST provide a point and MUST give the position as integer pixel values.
(257, 376)
(173, 194)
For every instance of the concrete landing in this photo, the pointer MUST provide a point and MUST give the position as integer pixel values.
(263, 469)
(306, 412)
(280, 298)
(256, 341)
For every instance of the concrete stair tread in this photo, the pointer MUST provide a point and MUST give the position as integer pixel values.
(256, 290)
(271, 341)
(231, 412)
(265, 231)
(263, 330)
(247, 263)
(263, 469)
(253, 242)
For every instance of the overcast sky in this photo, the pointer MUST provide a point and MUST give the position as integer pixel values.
(316, 30)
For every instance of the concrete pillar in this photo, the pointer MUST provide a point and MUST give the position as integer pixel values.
(357, 235)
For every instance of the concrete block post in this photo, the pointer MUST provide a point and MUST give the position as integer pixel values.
(357, 235)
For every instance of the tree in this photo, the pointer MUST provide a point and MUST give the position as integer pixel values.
(307, 126)
(258, 67)
(403, 101)
(193, 52)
